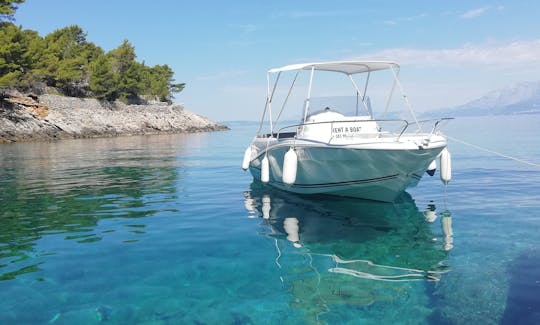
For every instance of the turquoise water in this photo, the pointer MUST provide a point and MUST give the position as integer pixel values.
(169, 230)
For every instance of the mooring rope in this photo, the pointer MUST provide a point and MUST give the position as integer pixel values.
(494, 152)
(407, 274)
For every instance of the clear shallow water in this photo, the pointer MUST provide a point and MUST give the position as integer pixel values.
(169, 230)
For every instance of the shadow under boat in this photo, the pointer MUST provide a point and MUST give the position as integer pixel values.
(338, 250)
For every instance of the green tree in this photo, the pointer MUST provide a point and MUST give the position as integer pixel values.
(7, 9)
(128, 71)
(102, 79)
(66, 60)
(129, 83)
(159, 83)
(122, 56)
(20, 50)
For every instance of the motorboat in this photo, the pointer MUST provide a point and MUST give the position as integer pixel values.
(339, 147)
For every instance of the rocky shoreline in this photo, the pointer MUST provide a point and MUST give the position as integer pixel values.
(52, 117)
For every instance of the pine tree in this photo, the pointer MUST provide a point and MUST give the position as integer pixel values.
(102, 83)
(7, 9)
(128, 71)
(20, 50)
(66, 59)
(159, 83)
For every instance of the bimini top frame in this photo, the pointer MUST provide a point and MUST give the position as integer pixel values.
(346, 67)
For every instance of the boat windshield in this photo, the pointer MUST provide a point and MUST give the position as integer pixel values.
(346, 105)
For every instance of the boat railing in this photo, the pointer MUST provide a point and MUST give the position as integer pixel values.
(438, 124)
(383, 128)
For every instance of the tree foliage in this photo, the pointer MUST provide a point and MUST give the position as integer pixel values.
(8, 8)
(67, 61)
(20, 50)
(160, 83)
(101, 80)
(128, 71)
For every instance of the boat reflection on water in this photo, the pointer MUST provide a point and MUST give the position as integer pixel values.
(446, 225)
(342, 251)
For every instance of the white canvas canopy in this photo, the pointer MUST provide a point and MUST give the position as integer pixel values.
(347, 67)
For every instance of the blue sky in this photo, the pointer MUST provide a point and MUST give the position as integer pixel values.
(450, 51)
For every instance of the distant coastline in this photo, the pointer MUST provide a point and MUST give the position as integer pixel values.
(51, 117)
(522, 98)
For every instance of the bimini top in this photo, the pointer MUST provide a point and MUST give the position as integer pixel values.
(347, 67)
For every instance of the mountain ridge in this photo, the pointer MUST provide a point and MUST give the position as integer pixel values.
(519, 98)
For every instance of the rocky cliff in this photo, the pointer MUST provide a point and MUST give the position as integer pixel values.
(48, 117)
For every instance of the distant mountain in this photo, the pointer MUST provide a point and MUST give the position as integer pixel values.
(521, 98)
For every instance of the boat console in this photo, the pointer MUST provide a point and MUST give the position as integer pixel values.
(331, 126)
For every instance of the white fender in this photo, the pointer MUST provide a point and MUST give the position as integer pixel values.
(290, 164)
(432, 168)
(247, 158)
(266, 206)
(446, 223)
(249, 203)
(265, 170)
(292, 229)
(430, 215)
(446, 166)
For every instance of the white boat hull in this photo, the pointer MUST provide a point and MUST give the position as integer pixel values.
(375, 174)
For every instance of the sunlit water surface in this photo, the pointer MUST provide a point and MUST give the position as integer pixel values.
(169, 230)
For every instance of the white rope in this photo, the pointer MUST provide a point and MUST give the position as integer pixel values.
(279, 253)
(495, 152)
(411, 275)
(396, 278)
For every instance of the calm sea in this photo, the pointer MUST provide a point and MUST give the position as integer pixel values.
(169, 230)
